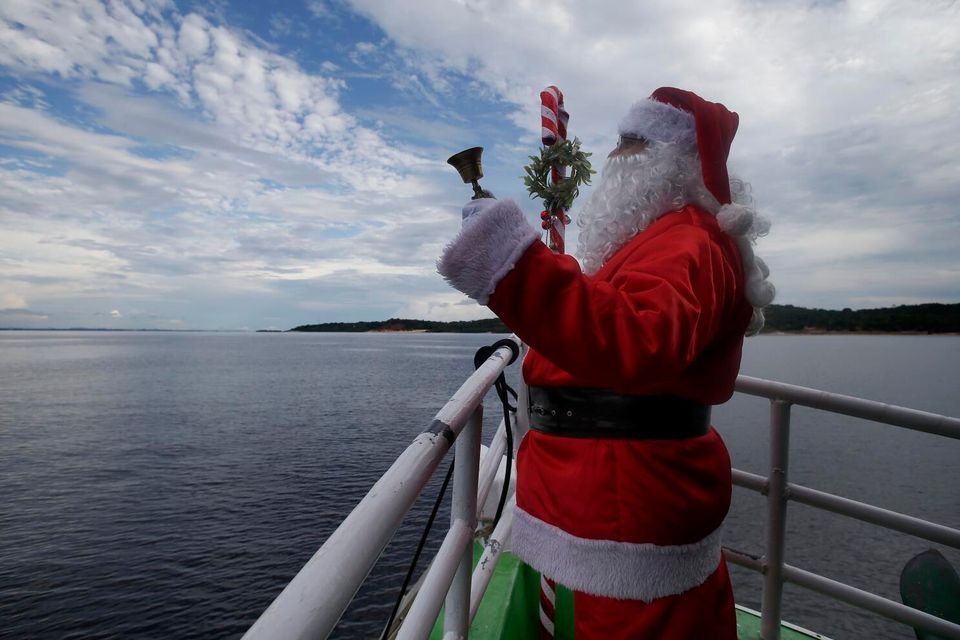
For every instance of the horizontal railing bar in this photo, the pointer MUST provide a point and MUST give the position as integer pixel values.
(871, 602)
(851, 406)
(425, 609)
(465, 399)
(312, 603)
(861, 511)
(875, 515)
(749, 480)
(744, 560)
(851, 595)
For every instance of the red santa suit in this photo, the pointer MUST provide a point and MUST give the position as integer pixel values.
(632, 525)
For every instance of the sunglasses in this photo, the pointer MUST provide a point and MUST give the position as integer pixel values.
(630, 140)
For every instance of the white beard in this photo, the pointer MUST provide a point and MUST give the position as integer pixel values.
(636, 190)
(633, 192)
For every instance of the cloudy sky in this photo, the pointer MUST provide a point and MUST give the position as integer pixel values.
(248, 165)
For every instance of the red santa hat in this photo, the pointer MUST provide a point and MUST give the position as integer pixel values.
(682, 117)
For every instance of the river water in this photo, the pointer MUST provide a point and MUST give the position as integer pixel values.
(167, 485)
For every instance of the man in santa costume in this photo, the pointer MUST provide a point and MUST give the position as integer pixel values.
(622, 483)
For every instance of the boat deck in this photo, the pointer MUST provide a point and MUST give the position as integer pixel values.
(312, 603)
(509, 609)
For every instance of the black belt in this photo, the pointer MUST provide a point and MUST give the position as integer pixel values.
(577, 412)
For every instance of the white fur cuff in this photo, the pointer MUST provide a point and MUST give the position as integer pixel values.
(622, 570)
(486, 250)
(656, 120)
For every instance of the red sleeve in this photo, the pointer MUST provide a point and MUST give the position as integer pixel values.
(649, 321)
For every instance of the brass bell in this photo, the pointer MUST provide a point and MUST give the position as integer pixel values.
(467, 163)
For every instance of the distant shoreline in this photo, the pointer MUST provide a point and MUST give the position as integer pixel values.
(118, 329)
(920, 319)
(426, 331)
(861, 333)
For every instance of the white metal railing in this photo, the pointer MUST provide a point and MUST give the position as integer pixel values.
(311, 604)
(778, 491)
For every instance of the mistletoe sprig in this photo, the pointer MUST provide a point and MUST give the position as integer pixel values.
(558, 196)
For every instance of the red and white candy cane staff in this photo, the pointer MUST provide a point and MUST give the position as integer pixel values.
(548, 612)
(553, 129)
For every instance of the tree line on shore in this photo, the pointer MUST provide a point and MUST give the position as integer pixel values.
(913, 318)
(917, 318)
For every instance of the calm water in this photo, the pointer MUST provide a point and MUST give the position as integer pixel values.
(167, 485)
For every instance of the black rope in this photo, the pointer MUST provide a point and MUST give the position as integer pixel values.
(502, 390)
(416, 555)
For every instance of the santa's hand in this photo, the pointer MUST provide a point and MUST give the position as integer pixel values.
(494, 236)
(476, 206)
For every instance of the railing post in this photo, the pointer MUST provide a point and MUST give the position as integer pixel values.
(776, 520)
(456, 619)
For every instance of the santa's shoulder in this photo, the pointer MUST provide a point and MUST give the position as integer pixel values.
(692, 217)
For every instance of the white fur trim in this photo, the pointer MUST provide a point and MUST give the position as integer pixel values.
(622, 570)
(760, 292)
(655, 120)
(486, 249)
(764, 269)
(741, 222)
(757, 320)
(735, 219)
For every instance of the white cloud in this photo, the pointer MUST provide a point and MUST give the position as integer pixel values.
(21, 318)
(266, 100)
(448, 307)
(799, 66)
(9, 300)
(192, 38)
(320, 9)
(260, 186)
(847, 109)
(198, 163)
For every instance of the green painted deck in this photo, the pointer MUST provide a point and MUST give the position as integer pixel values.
(510, 609)
(748, 627)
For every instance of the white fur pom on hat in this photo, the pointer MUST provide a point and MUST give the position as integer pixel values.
(736, 219)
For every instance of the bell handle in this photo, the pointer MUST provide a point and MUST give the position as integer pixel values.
(479, 192)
